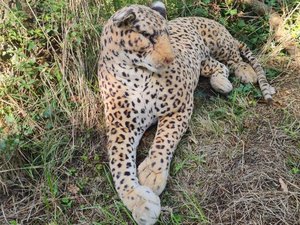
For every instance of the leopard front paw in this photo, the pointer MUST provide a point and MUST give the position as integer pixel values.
(221, 84)
(144, 205)
(151, 177)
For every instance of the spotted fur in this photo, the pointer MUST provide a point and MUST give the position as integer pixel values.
(148, 71)
(231, 52)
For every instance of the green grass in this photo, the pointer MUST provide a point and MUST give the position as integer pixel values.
(53, 164)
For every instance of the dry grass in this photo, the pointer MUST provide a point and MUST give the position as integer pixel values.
(240, 177)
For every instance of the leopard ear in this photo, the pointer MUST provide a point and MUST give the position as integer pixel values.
(125, 17)
(160, 8)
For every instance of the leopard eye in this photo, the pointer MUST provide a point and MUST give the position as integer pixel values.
(145, 34)
(150, 37)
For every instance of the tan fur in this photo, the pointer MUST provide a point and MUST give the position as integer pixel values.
(163, 50)
(227, 50)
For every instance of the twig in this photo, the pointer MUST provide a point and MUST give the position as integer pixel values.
(4, 216)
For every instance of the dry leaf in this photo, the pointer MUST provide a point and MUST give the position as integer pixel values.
(73, 189)
(283, 185)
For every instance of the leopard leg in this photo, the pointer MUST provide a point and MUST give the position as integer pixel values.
(140, 200)
(218, 74)
(153, 171)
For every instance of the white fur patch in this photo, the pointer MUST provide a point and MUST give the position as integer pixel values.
(120, 15)
(158, 4)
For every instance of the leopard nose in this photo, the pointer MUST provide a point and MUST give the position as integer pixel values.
(168, 60)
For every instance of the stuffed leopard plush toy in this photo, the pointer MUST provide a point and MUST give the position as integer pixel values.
(148, 71)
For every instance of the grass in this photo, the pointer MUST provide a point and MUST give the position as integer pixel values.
(53, 164)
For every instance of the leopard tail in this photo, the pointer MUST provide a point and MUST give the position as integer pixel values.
(264, 85)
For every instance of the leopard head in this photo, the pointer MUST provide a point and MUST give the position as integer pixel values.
(138, 35)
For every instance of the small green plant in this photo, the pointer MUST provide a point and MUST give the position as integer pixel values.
(272, 73)
(67, 202)
(13, 222)
(294, 165)
(176, 219)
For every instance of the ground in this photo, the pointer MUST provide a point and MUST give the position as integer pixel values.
(239, 162)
